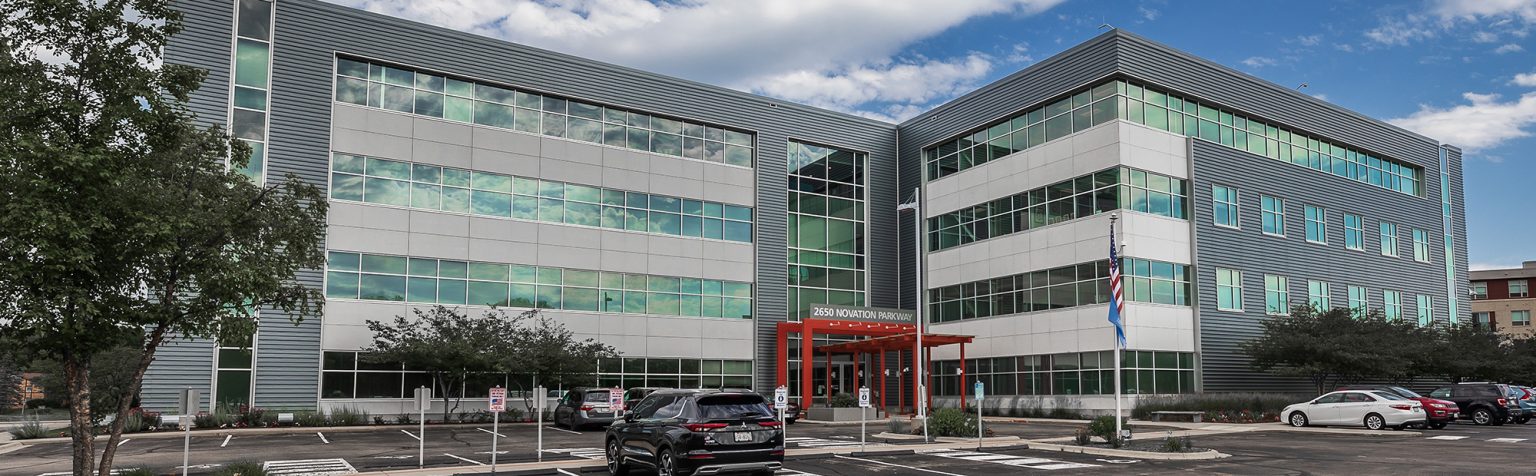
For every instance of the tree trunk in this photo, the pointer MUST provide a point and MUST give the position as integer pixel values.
(81, 432)
(131, 394)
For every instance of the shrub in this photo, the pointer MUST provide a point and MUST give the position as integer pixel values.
(896, 425)
(514, 414)
(134, 472)
(951, 422)
(404, 419)
(844, 400)
(348, 416)
(242, 468)
(255, 417)
(1233, 407)
(28, 430)
(139, 420)
(37, 403)
(1082, 437)
(309, 418)
(222, 417)
(1175, 445)
(378, 420)
(1104, 427)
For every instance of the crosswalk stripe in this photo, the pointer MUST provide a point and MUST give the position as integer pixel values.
(1010, 460)
(986, 457)
(309, 467)
(1507, 440)
(1062, 466)
(1447, 438)
(1026, 461)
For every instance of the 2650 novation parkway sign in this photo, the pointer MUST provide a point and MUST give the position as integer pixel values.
(863, 314)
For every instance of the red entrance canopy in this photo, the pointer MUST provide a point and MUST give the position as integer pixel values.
(882, 338)
(894, 343)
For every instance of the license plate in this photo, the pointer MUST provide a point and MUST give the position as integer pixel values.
(602, 409)
(743, 436)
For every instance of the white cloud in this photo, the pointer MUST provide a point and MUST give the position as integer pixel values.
(1485, 37)
(1020, 54)
(1321, 96)
(752, 45)
(1259, 62)
(1454, 17)
(1148, 13)
(1345, 47)
(1508, 48)
(1400, 31)
(1525, 79)
(1483, 122)
(1476, 9)
(1309, 40)
(903, 83)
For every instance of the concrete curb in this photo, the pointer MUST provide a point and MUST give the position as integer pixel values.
(265, 431)
(959, 440)
(9, 447)
(1224, 428)
(1198, 455)
(896, 436)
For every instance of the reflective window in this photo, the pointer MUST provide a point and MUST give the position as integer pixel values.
(1277, 295)
(430, 187)
(1479, 290)
(1388, 239)
(1080, 197)
(1358, 302)
(1224, 206)
(1425, 306)
(1317, 224)
(1354, 232)
(1229, 289)
(432, 281)
(1392, 304)
(1069, 286)
(1171, 112)
(1078, 373)
(428, 94)
(1318, 293)
(253, 59)
(1518, 288)
(825, 236)
(1520, 318)
(1272, 211)
(1420, 245)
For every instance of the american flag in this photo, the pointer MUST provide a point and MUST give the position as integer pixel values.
(1117, 295)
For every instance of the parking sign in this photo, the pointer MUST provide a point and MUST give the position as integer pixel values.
(616, 399)
(780, 396)
(498, 400)
(981, 390)
(863, 397)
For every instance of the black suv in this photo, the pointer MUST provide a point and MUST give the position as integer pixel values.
(686, 432)
(1484, 403)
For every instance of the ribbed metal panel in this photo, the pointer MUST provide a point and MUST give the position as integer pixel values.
(1459, 226)
(1223, 367)
(309, 33)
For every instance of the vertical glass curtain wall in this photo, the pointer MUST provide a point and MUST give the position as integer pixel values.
(250, 83)
(1170, 112)
(826, 239)
(405, 90)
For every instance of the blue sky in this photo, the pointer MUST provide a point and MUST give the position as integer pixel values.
(1461, 71)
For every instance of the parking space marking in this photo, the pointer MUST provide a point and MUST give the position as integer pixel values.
(808, 442)
(913, 468)
(226, 440)
(492, 432)
(124, 442)
(1507, 440)
(794, 472)
(461, 458)
(588, 453)
(552, 427)
(1446, 437)
(566, 473)
(1010, 460)
(309, 467)
(322, 438)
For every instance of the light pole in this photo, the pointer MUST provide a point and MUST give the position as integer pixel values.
(917, 264)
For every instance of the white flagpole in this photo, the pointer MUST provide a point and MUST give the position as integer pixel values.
(1113, 302)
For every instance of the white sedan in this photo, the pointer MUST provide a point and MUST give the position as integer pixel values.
(1376, 410)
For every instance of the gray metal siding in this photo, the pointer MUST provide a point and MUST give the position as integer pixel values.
(1223, 367)
(1459, 230)
(309, 33)
(205, 44)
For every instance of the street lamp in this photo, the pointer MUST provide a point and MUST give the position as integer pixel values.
(917, 263)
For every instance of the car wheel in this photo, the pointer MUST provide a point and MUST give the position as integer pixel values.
(1375, 422)
(1298, 419)
(666, 465)
(616, 465)
(1482, 416)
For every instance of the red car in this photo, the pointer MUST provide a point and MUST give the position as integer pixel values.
(1437, 412)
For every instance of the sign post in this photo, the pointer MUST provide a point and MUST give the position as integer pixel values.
(423, 401)
(187, 406)
(781, 402)
(616, 401)
(538, 409)
(863, 415)
(981, 390)
(498, 404)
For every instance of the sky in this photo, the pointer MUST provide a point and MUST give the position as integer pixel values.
(1459, 71)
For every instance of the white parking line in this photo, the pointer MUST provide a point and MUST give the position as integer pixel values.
(492, 432)
(1507, 440)
(564, 430)
(897, 465)
(226, 440)
(588, 453)
(1016, 461)
(807, 442)
(322, 438)
(124, 442)
(460, 458)
(1446, 437)
(407, 433)
(566, 473)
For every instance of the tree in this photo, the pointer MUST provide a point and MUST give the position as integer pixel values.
(1468, 351)
(447, 344)
(111, 374)
(10, 382)
(1333, 346)
(550, 353)
(120, 222)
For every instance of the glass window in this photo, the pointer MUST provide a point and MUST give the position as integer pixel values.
(1358, 302)
(1388, 239)
(1273, 213)
(1392, 304)
(1318, 295)
(1420, 245)
(1224, 206)
(1521, 318)
(1229, 289)
(1277, 295)
(1479, 290)
(1317, 224)
(1425, 306)
(1354, 232)
(1518, 288)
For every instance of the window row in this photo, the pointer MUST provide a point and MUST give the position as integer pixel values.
(348, 375)
(1146, 105)
(1279, 298)
(1068, 286)
(1514, 288)
(430, 187)
(1088, 195)
(1085, 373)
(1226, 211)
(434, 281)
(404, 90)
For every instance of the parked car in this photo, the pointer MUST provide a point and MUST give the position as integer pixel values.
(582, 407)
(1437, 412)
(633, 396)
(1482, 402)
(684, 432)
(1525, 398)
(1373, 408)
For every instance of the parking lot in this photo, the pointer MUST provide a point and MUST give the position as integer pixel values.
(1271, 451)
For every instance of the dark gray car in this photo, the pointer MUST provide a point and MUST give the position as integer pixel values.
(582, 407)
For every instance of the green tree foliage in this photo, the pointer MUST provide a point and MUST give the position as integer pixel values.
(446, 343)
(111, 374)
(10, 381)
(545, 350)
(1469, 352)
(120, 222)
(1332, 347)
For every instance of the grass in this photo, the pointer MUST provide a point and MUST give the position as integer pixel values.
(35, 414)
(30, 430)
(348, 416)
(1219, 407)
(242, 468)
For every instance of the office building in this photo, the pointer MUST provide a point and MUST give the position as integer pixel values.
(1501, 298)
(682, 222)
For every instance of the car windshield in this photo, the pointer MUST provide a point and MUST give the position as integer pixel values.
(596, 397)
(733, 406)
(1388, 396)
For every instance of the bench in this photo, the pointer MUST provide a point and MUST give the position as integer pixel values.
(1177, 416)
